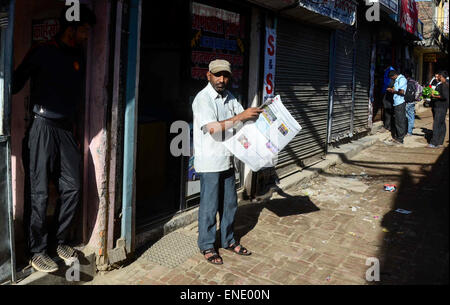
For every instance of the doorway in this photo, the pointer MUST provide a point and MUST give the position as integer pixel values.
(7, 253)
(162, 99)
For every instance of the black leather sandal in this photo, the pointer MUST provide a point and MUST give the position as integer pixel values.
(242, 250)
(212, 257)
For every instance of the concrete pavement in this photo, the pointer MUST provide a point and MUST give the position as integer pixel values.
(323, 225)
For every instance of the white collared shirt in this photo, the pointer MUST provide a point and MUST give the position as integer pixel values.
(210, 155)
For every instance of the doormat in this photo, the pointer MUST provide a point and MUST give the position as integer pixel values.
(172, 250)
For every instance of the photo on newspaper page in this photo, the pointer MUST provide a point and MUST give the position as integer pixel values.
(258, 143)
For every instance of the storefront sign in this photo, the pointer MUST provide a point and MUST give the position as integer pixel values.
(430, 57)
(269, 63)
(44, 30)
(391, 5)
(409, 15)
(340, 10)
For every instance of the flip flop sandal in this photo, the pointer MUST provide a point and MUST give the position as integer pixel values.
(241, 250)
(212, 257)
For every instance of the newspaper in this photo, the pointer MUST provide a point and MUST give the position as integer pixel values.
(258, 143)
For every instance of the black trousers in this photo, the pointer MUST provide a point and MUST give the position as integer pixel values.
(388, 112)
(53, 153)
(400, 122)
(439, 126)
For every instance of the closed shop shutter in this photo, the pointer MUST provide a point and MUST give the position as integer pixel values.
(301, 79)
(362, 80)
(341, 124)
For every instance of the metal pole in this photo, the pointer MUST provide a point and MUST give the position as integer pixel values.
(7, 98)
(130, 126)
(331, 76)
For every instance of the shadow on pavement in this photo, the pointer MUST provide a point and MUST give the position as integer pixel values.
(428, 134)
(247, 216)
(415, 250)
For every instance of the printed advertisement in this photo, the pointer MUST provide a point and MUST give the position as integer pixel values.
(44, 30)
(269, 63)
(217, 34)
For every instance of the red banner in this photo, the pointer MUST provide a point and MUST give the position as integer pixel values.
(409, 16)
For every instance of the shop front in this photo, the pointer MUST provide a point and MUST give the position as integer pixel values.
(177, 42)
(314, 77)
(395, 36)
(37, 22)
(388, 46)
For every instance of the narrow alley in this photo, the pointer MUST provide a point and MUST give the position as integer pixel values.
(324, 230)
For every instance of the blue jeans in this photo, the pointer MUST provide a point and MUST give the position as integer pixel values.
(217, 194)
(410, 114)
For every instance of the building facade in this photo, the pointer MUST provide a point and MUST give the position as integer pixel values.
(146, 63)
(432, 51)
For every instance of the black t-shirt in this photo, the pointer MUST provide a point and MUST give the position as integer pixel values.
(388, 98)
(57, 74)
(443, 93)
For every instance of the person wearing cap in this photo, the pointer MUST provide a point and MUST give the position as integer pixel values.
(216, 113)
(56, 70)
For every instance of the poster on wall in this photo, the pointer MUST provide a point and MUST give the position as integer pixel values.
(216, 33)
(44, 30)
(269, 63)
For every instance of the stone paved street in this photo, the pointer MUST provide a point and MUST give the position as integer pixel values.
(322, 231)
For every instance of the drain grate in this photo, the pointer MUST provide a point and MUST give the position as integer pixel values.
(172, 250)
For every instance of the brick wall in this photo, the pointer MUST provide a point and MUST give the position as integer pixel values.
(426, 15)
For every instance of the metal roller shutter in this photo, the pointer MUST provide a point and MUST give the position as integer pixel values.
(301, 79)
(341, 124)
(362, 80)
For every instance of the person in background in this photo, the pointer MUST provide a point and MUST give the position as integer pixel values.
(440, 106)
(434, 81)
(412, 95)
(400, 120)
(57, 73)
(388, 101)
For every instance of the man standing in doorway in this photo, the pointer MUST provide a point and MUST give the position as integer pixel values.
(57, 73)
(387, 101)
(400, 120)
(216, 112)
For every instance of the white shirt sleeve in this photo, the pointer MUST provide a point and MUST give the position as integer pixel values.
(203, 112)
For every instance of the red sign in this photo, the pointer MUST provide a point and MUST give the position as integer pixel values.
(269, 63)
(44, 30)
(409, 16)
